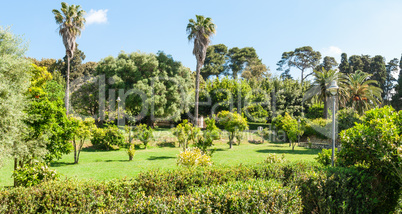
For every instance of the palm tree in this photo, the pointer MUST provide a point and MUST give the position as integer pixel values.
(322, 79)
(71, 21)
(200, 32)
(359, 92)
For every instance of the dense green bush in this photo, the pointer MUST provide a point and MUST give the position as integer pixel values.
(34, 174)
(325, 157)
(315, 111)
(346, 118)
(107, 138)
(254, 126)
(318, 127)
(193, 157)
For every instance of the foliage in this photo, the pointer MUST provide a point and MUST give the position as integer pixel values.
(266, 134)
(292, 128)
(107, 138)
(193, 157)
(144, 134)
(14, 82)
(397, 97)
(131, 152)
(186, 132)
(215, 61)
(325, 157)
(83, 131)
(256, 113)
(319, 127)
(346, 118)
(34, 174)
(374, 143)
(274, 158)
(315, 111)
(233, 123)
(211, 133)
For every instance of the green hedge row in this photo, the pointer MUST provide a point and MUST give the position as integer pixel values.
(254, 126)
(214, 189)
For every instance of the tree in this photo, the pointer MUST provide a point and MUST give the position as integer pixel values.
(355, 63)
(144, 134)
(359, 92)
(344, 66)
(215, 61)
(14, 83)
(255, 70)
(82, 132)
(322, 79)
(240, 58)
(302, 58)
(391, 67)
(379, 72)
(397, 97)
(186, 132)
(200, 32)
(233, 123)
(328, 63)
(292, 129)
(71, 21)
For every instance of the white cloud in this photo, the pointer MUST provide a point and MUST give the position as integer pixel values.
(96, 17)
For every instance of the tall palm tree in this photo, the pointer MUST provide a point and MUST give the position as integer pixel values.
(71, 21)
(322, 79)
(200, 32)
(358, 91)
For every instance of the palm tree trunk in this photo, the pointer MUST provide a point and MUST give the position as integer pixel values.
(197, 88)
(67, 99)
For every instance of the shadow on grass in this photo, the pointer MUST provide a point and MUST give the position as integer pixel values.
(94, 149)
(160, 157)
(220, 150)
(115, 161)
(290, 151)
(59, 164)
(166, 144)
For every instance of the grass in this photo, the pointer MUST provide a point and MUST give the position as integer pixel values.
(107, 165)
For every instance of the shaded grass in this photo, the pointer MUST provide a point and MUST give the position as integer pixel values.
(107, 165)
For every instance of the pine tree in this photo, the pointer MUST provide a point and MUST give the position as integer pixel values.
(344, 66)
(397, 98)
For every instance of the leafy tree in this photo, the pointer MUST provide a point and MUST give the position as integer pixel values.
(71, 21)
(211, 133)
(144, 134)
(14, 82)
(344, 66)
(215, 61)
(397, 97)
(186, 132)
(286, 75)
(322, 79)
(255, 70)
(240, 58)
(85, 98)
(379, 72)
(356, 63)
(200, 31)
(292, 129)
(82, 132)
(302, 58)
(328, 63)
(391, 67)
(359, 92)
(233, 123)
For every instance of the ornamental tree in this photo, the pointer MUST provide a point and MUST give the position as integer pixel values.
(233, 123)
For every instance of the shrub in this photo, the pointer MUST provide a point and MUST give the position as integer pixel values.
(233, 123)
(131, 152)
(274, 158)
(144, 134)
(315, 111)
(347, 118)
(210, 134)
(193, 157)
(266, 134)
(31, 175)
(325, 157)
(107, 138)
(318, 127)
(185, 133)
(292, 128)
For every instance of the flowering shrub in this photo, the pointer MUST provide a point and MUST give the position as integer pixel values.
(193, 157)
(31, 175)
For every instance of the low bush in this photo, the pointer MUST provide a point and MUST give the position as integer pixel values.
(315, 111)
(31, 175)
(318, 127)
(107, 138)
(325, 157)
(193, 157)
(274, 158)
(346, 118)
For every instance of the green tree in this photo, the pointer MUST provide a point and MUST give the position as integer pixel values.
(357, 91)
(356, 63)
(211, 133)
(14, 82)
(233, 123)
(322, 79)
(397, 97)
(240, 58)
(379, 72)
(215, 61)
(200, 32)
(303, 58)
(144, 133)
(292, 129)
(186, 132)
(82, 132)
(255, 70)
(328, 63)
(71, 21)
(391, 67)
(344, 66)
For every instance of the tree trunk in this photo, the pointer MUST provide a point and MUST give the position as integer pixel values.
(15, 168)
(75, 151)
(231, 139)
(67, 99)
(197, 88)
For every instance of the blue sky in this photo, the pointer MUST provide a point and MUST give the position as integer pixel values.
(271, 27)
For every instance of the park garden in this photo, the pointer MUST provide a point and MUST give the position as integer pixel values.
(141, 133)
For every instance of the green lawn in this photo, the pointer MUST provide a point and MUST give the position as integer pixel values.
(106, 165)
